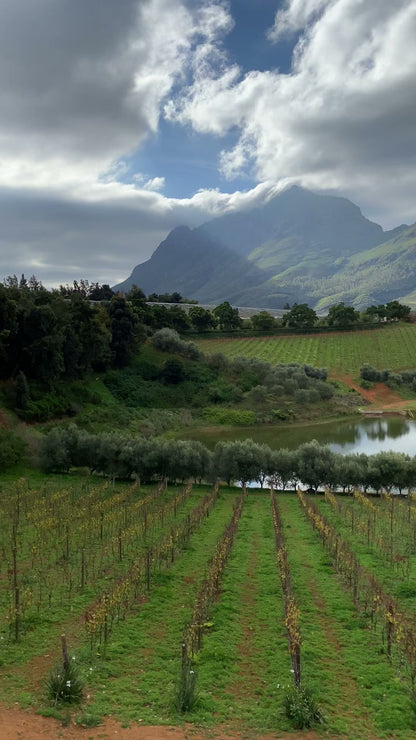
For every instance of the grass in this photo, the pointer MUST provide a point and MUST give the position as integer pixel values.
(360, 693)
(400, 585)
(137, 679)
(243, 667)
(42, 625)
(393, 347)
(244, 662)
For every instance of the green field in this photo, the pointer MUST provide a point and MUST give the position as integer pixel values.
(67, 542)
(392, 347)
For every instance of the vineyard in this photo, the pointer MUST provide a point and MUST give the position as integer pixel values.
(343, 352)
(211, 605)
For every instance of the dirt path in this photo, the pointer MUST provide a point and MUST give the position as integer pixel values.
(248, 678)
(17, 723)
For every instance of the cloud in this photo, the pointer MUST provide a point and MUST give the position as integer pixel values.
(153, 183)
(61, 238)
(83, 87)
(82, 83)
(295, 16)
(341, 120)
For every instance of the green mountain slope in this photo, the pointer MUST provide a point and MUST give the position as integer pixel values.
(377, 275)
(299, 246)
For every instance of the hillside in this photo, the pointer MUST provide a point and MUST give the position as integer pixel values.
(376, 275)
(199, 267)
(341, 352)
(298, 247)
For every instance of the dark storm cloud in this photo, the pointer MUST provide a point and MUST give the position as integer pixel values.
(67, 72)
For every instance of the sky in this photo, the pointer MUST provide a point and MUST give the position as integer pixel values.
(121, 119)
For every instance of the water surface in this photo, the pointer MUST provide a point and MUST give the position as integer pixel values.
(368, 435)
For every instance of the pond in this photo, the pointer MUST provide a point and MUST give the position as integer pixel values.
(368, 435)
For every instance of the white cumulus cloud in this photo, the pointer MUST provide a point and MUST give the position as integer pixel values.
(342, 118)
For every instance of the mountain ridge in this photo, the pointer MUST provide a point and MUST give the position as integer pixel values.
(298, 246)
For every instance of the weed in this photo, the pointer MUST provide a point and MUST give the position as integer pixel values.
(65, 683)
(88, 720)
(302, 708)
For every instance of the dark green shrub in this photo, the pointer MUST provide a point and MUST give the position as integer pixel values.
(12, 449)
(302, 395)
(65, 684)
(302, 708)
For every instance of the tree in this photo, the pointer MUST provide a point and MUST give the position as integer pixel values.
(136, 294)
(342, 315)
(300, 317)
(391, 466)
(12, 449)
(99, 292)
(397, 311)
(178, 319)
(54, 454)
(41, 339)
(284, 466)
(374, 313)
(227, 316)
(173, 371)
(125, 331)
(242, 461)
(314, 464)
(262, 321)
(201, 319)
(87, 337)
(22, 391)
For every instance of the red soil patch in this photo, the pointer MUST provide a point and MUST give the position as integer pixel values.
(17, 723)
(380, 395)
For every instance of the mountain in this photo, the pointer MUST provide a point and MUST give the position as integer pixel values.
(383, 273)
(198, 267)
(299, 246)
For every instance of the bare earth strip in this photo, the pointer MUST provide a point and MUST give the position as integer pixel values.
(17, 723)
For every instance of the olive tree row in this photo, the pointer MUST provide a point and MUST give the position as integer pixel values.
(119, 456)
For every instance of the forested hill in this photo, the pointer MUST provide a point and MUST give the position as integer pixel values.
(297, 247)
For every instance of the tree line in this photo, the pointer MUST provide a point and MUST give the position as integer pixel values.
(116, 456)
(48, 336)
(68, 332)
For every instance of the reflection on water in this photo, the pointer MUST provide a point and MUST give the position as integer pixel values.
(368, 435)
(377, 435)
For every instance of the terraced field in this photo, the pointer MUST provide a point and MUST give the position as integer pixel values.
(391, 347)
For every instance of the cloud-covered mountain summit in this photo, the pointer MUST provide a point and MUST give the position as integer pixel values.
(294, 247)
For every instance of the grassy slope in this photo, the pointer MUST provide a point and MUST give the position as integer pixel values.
(393, 347)
(378, 273)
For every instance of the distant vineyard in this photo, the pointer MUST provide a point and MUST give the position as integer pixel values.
(393, 347)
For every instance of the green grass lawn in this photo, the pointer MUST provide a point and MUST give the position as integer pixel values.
(392, 347)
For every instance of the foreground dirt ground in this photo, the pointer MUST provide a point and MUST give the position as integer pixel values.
(17, 723)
